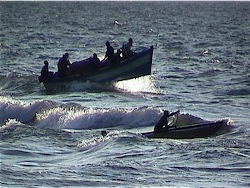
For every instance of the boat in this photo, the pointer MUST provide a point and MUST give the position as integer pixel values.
(186, 126)
(136, 66)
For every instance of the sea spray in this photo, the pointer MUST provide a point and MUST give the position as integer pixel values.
(143, 84)
(95, 118)
(22, 111)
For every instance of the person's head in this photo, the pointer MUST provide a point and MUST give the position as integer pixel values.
(104, 133)
(46, 63)
(166, 113)
(66, 55)
(107, 43)
(130, 40)
(95, 55)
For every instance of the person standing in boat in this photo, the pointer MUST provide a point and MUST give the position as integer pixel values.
(162, 124)
(126, 49)
(116, 58)
(63, 65)
(110, 52)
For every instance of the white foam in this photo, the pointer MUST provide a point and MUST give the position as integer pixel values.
(22, 111)
(141, 84)
(16, 109)
(51, 114)
(92, 118)
(10, 124)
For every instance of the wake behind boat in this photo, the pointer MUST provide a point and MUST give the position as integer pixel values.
(133, 67)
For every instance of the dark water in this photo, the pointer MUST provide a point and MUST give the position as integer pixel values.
(201, 65)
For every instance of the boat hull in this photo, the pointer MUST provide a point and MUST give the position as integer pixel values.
(202, 130)
(134, 67)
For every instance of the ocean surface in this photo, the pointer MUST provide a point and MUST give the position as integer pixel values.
(201, 66)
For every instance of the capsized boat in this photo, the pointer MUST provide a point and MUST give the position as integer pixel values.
(136, 66)
(186, 126)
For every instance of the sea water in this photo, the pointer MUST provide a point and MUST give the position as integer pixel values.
(201, 66)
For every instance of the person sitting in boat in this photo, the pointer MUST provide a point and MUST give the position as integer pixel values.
(63, 65)
(94, 63)
(162, 124)
(45, 74)
(126, 49)
(116, 58)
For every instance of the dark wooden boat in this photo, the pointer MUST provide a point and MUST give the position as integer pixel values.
(136, 66)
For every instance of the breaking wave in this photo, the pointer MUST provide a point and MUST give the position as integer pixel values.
(55, 115)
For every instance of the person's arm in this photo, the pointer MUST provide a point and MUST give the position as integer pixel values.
(160, 124)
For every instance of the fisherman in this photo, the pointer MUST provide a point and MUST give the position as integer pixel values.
(45, 74)
(116, 58)
(63, 65)
(94, 63)
(104, 133)
(162, 124)
(126, 49)
(109, 52)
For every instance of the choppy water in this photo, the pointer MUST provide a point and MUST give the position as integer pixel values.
(201, 65)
